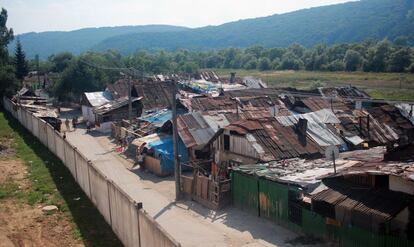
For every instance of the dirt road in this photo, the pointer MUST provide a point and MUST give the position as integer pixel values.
(188, 222)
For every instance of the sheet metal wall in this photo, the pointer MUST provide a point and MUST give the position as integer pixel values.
(125, 216)
(245, 192)
(274, 204)
(273, 200)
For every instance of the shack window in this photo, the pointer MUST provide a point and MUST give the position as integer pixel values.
(226, 142)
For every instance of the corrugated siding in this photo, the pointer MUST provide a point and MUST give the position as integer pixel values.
(252, 194)
(313, 223)
(245, 192)
(355, 237)
(240, 145)
(273, 200)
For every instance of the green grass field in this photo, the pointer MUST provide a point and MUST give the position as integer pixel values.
(391, 86)
(52, 183)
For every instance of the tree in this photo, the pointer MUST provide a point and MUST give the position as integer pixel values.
(61, 61)
(264, 64)
(22, 68)
(8, 82)
(80, 77)
(400, 60)
(352, 60)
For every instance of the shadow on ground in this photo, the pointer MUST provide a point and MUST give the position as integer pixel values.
(90, 224)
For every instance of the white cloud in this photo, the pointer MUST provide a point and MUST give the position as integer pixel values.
(46, 15)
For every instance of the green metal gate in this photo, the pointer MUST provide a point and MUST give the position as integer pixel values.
(245, 192)
(273, 200)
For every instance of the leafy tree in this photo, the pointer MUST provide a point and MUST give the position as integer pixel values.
(61, 61)
(251, 64)
(291, 62)
(22, 67)
(79, 77)
(8, 82)
(352, 60)
(264, 64)
(400, 60)
(190, 67)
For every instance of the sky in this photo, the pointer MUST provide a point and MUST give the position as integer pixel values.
(63, 15)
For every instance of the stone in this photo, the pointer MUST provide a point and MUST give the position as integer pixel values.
(50, 209)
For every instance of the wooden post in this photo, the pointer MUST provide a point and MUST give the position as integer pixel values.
(177, 170)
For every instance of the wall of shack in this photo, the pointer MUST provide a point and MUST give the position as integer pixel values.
(270, 200)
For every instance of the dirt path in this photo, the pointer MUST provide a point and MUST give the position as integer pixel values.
(22, 224)
(188, 222)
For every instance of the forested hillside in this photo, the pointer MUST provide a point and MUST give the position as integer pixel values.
(48, 43)
(342, 23)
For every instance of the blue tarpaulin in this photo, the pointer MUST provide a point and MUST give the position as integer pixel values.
(158, 118)
(163, 151)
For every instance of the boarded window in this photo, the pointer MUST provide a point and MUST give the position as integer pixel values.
(226, 142)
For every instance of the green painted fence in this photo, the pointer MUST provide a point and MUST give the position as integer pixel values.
(270, 200)
(245, 192)
(273, 200)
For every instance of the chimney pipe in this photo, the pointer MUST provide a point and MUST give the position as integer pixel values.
(232, 77)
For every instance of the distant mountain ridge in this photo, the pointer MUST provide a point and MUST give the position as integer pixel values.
(341, 23)
(77, 41)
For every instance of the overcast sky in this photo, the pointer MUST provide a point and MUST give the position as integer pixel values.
(50, 15)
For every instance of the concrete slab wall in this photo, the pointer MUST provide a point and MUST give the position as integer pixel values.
(82, 172)
(124, 213)
(99, 192)
(152, 234)
(126, 217)
(35, 126)
(51, 138)
(43, 132)
(60, 148)
(70, 162)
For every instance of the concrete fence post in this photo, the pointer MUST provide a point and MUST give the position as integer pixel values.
(74, 163)
(138, 207)
(89, 178)
(109, 201)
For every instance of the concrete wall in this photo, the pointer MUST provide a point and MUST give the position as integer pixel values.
(127, 218)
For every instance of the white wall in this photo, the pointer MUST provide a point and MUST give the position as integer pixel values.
(88, 114)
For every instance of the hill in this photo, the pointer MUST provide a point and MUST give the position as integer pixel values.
(341, 23)
(78, 41)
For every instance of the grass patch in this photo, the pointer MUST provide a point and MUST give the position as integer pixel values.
(8, 189)
(52, 183)
(393, 86)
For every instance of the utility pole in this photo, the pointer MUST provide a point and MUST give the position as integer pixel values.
(177, 170)
(37, 70)
(129, 100)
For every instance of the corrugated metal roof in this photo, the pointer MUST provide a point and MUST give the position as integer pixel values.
(98, 98)
(197, 129)
(277, 141)
(379, 205)
(112, 105)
